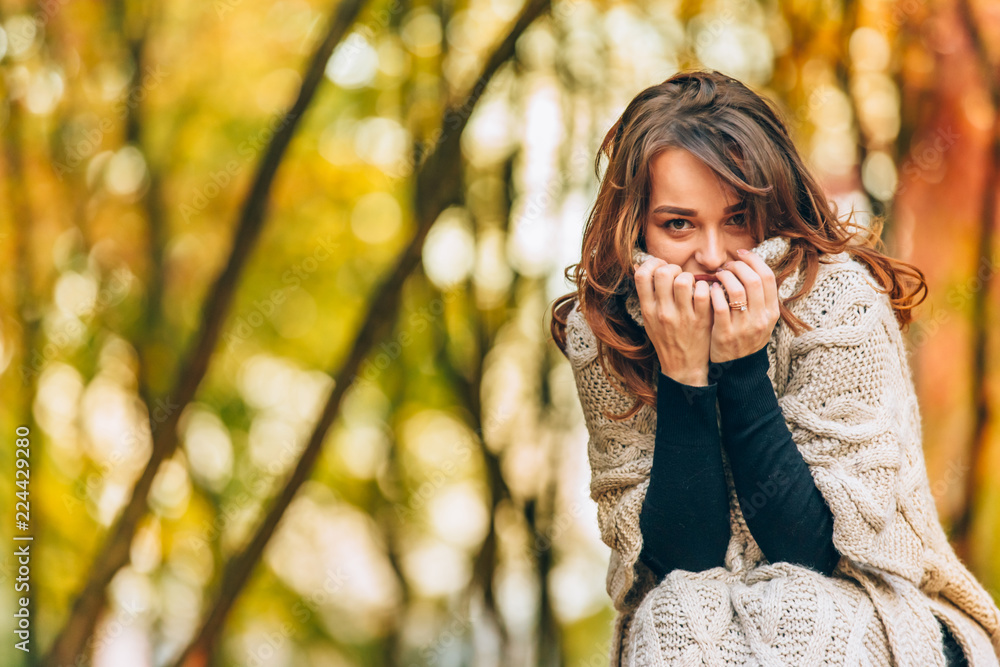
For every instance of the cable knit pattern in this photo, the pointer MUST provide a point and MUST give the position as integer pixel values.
(847, 394)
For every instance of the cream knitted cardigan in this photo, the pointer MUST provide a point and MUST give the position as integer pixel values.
(849, 400)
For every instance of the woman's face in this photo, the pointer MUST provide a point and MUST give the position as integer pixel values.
(694, 220)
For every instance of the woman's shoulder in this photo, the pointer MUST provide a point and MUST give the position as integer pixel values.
(844, 287)
(581, 343)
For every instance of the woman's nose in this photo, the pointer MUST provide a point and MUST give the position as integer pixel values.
(713, 256)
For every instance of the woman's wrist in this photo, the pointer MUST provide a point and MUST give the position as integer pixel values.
(740, 370)
(745, 391)
(691, 378)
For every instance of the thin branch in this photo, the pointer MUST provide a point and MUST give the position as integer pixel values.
(153, 200)
(438, 184)
(114, 553)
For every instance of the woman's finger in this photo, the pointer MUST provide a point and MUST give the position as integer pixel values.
(684, 293)
(734, 288)
(768, 280)
(663, 287)
(753, 285)
(720, 310)
(644, 282)
(702, 300)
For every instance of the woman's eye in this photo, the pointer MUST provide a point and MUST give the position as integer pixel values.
(736, 220)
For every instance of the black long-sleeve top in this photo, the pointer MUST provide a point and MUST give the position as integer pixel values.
(685, 514)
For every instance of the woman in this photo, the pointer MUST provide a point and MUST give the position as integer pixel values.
(755, 437)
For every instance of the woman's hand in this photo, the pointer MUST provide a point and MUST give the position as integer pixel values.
(678, 317)
(737, 333)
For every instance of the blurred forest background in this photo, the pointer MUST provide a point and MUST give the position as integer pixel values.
(275, 290)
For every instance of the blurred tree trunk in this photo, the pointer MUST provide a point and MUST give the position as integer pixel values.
(980, 298)
(945, 212)
(27, 311)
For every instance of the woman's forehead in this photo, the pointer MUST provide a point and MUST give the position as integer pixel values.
(700, 194)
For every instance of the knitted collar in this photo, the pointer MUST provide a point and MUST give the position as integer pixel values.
(771, 250)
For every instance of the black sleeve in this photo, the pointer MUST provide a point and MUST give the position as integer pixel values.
(785, 512)
(685, 515)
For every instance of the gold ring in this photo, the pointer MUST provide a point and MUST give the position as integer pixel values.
(741, 305)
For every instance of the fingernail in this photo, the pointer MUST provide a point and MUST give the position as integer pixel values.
(742, 251)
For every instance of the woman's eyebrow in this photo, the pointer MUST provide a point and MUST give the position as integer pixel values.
(690, 212)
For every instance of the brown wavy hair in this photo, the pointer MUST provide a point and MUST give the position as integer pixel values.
(739, 135)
